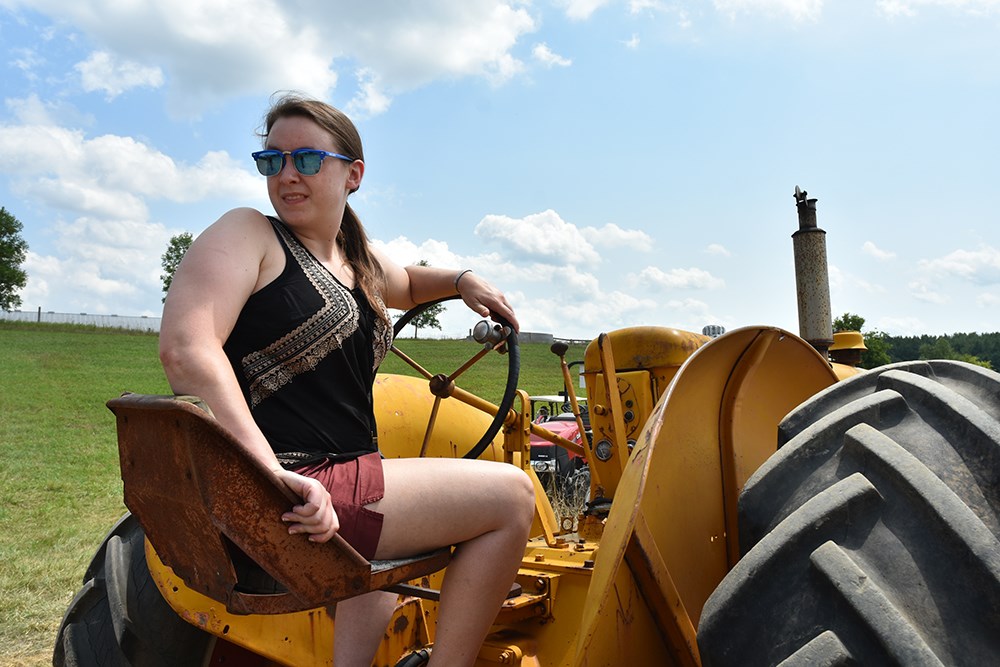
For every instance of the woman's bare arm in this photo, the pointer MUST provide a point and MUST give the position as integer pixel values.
(212, 283)
(412, 285)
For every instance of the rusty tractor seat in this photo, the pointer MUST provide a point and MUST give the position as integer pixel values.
(204, 502)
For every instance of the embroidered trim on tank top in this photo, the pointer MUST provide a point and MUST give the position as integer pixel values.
(302, 349)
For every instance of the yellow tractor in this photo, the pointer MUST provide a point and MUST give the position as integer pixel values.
(747, 507)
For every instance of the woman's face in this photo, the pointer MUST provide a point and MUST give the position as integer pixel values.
(310, 201)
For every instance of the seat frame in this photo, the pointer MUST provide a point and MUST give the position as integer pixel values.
(204, 502)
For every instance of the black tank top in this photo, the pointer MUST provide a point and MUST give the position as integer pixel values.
(305, 350)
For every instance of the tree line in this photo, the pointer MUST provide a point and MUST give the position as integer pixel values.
(981, 349)
(974, 348)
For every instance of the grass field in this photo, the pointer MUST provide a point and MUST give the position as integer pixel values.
(60, 489)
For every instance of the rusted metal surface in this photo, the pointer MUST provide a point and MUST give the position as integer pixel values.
(812, 277)
(197, 492)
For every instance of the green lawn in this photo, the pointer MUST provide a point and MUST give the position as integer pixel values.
(60, 490)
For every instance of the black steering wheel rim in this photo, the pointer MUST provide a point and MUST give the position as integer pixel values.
(513, 372)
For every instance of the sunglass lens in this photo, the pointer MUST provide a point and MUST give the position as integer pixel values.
(308, 162)
(269, 163)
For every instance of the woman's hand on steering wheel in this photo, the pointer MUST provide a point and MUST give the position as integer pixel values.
(486, 300)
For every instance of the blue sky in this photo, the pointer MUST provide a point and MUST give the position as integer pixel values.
(606, 163)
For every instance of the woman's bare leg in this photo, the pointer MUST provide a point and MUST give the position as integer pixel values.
(359, 627)
(482, 507)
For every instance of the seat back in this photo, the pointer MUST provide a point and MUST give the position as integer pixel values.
(197, 492)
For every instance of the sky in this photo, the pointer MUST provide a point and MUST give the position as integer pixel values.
(606, 163)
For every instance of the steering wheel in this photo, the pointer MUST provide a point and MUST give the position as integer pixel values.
(494, 338)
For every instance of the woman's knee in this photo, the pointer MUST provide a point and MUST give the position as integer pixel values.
(523, 492)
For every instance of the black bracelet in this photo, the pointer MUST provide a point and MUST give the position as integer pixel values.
(459, 277)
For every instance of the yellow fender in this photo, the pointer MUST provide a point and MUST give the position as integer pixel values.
(404, 408)
(671, 534)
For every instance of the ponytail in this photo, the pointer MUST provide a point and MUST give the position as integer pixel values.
(367, 270)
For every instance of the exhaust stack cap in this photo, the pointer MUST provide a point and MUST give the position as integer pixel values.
(806, 208)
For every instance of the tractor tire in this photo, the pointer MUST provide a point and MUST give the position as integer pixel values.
(871, 536)
(119, 618)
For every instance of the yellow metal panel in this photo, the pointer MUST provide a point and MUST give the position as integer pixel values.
(645, 359)
(716, 423)
(649, 348)
(403, 411)
(845, 371)
(304, 638)
(551, 640)
(627, 634)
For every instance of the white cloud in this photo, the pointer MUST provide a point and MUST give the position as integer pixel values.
(39, 268)
(923, 292)
(908, 8)
(551, 262)
(613, 236)
(690, 314)
(798, 10)
(568, 282)
(207, 52)
(718, 250)
(109, 173)
(420, 42)
(674, 279)
(980, 267)
(104, 266)
(108, 248)
(894, 8)
(560, 297)
(32, 110)
(639, 6)
(585, 317)
(580, 10)
(27, 60)
(543, 237)
(988, 300)
(102, 71)
(210, 52)
(901, 326)
(543, 54)
(873, 250)
(404, 252)
(632, 43)
(371, 99)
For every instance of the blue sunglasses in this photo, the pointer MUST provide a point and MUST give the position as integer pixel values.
(307, 161)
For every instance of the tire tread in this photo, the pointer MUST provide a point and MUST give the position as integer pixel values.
(873, 528)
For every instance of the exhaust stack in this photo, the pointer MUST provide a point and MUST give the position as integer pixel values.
(812, 278)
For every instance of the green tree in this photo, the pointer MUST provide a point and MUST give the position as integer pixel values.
(429, 318)
(849, 322)
(172, 258)
(942, 348)
(876, 341)
(13, 250)
(877, 353)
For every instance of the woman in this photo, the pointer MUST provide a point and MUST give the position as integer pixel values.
(279, 325)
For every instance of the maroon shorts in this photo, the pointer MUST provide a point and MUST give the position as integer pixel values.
(352, 485)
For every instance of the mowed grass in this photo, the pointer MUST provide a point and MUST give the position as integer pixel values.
(60, 489)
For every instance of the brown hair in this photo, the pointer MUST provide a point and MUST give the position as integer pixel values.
(352, 237)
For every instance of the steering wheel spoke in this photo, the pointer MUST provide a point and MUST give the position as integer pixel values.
(498, 338)
(410, 362)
